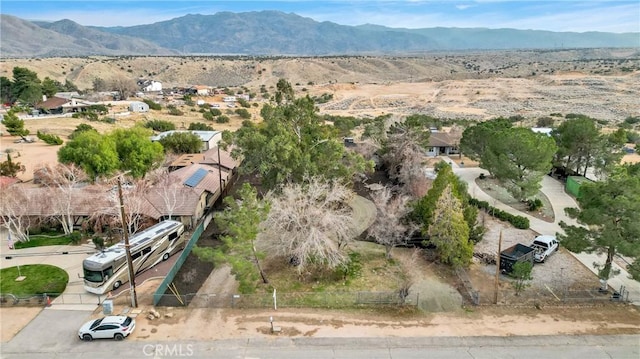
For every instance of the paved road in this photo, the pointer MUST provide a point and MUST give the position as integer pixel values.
(554, 190)
(43, 339)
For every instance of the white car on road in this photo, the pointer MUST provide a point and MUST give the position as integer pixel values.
(112, 327)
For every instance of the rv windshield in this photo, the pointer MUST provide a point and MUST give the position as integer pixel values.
(93, 276)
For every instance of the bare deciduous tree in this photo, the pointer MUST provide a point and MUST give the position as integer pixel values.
(309, 222)
(62, 181)
(404, 160)
(167, 188)
(124, 86)
(14, 211)
(390, 229)
(133, 194)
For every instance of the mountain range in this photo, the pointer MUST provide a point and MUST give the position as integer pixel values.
(274, 33)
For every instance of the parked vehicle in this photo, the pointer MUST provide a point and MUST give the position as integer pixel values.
(115, 327)
(107, 269)
(514, 254)
(544, 246)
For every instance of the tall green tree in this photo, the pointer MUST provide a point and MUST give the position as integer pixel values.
(240, 223)
(609, 215)
(519, 158)
(94, 153)
(102, 155)
(51, 87)
(136, 151)
(293, 143)
(14, 125)
(449, 231)
(578, 140)
(181, 142)
(476, 139)
(609, 153)
(27, 86)
(424, 209)
(6, 90)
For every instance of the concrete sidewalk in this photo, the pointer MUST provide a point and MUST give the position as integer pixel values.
(554, 190)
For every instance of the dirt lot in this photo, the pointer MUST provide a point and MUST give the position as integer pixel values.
(188, 324)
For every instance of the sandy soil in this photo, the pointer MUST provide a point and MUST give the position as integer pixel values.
(30, 155)
(188, 324)
(12, 320)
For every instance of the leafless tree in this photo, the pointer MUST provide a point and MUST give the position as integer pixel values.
(134, 200)
(309, 223)
(62, 183)
(168, 189)
(14, 211)
(404, 160)
(390, 228)
(125, 86)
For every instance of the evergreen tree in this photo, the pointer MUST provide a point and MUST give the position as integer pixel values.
(449, 231)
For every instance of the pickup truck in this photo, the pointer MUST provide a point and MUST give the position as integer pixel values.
(544, 246)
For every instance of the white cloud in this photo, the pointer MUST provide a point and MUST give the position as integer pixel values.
(463, 7)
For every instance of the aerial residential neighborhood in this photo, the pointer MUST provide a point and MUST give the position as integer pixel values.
(229, 198)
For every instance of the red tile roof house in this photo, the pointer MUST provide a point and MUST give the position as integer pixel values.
(59, 105)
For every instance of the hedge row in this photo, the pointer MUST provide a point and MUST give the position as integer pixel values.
(517, 221)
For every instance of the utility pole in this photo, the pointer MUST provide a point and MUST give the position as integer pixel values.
(127, 248)
(497, 283)
(220, 170)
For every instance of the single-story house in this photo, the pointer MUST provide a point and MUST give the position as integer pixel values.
(138, 106)
(149, 85)
(59, 105)
(201, 90)
(442, 144)
(209, 139)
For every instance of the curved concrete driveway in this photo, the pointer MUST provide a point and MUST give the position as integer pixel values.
(554, 190)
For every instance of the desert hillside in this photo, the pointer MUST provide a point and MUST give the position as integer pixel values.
(601, 83)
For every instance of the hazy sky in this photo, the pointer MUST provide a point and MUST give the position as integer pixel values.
(557, 15)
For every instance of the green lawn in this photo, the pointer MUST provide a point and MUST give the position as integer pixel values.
(38, 240)
(40, 278)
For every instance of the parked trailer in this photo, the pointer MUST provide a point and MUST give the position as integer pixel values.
(514, 254)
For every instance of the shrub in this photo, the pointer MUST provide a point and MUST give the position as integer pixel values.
(98, 241)
(208, 116)
(174, 111)
(222, 119)
(160, 125)
(152, 105)
(534, 204)
(244, 103)
(215, 112)
(49, 139)
(243, 113)
(198, 126)
(75, 237)
(516, 221)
